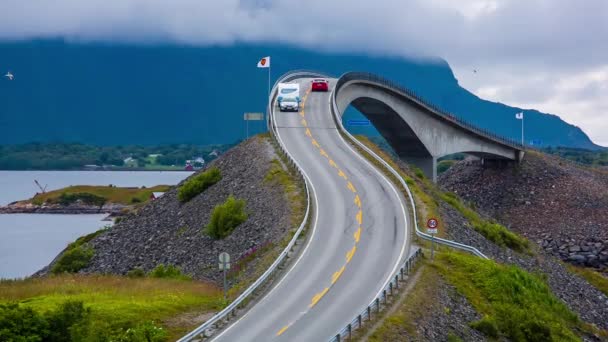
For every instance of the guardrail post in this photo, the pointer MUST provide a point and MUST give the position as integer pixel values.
(360, 320)
(397, 281)
(369, 313)
(402, 277)
(390, 286)
(383, 295)
(378, 304)
(338, 337)
(350, 331)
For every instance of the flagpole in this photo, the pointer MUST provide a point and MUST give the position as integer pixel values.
(522, 130)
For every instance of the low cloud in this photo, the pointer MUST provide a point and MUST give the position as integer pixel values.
(537, 53)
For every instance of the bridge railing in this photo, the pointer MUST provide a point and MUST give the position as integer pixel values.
(376, 303)
(223, 317)
(363, 76)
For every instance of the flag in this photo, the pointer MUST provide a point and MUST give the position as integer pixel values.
(264, 62)
(519, 115)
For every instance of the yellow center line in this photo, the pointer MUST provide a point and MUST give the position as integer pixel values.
(318, 297)
(351, 187)
(341, 174)
(357, 235)
(357, 201)
(282, 330)
(323, 153)
(308, 132)
(304, 122)
(332, 163)
(315, 143)
(349, 254)
(359, 216)
(337, 275)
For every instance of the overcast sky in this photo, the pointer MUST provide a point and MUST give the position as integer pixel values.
(550, 55)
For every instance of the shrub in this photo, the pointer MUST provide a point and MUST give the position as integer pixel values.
(84, 197)
(169, 271)
(135, 200)
(73, 260)
(61, 321)
(145, 332)
(225, 217)
(19, 323)
(418, 172)
(486, 326)
(199, 183)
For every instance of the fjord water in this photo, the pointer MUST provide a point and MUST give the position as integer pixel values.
(29, 242)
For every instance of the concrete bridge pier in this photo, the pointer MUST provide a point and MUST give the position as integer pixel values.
(428, 165)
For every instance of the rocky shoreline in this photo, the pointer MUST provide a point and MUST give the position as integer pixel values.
(112, 209)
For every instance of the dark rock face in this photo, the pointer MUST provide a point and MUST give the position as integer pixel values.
(169, 232)
(558, 205)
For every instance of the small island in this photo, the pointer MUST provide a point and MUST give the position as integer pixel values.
(86, 199)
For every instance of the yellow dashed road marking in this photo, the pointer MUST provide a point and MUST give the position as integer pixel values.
(341, 174)
(359, 216)
(349, 254)
(308, 132)
(323, 153)
(332, 163)
(357, 201)
(358, 235)
(282, 330)
(337, 275)
(315, 143)
(318, 297)
(304, 122)
(351, 187)
(302, 113)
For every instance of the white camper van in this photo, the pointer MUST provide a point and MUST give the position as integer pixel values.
(289, 97)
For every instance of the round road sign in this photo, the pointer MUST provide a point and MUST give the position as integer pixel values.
(224, 257)
(432, 223)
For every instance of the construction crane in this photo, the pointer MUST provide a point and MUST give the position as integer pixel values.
(40, 186)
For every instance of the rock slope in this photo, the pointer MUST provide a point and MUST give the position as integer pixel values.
(561, 206)
(166, 231)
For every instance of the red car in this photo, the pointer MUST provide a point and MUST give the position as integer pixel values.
(320, 84)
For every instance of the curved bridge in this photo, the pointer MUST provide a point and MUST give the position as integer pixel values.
(416, 130)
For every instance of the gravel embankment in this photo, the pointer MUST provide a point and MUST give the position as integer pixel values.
(166, 231)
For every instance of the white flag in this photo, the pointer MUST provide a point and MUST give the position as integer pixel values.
(264, 62)
(519, 115)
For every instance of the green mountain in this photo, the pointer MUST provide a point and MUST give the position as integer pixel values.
(109, 94)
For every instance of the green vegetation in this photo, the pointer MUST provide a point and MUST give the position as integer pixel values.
(168, 272)
(592, 277)
(292, 189)
(100, 308)
(98, 195)
(73, 260)
(225, 217)
(198, 183)
(444, 165)
(515, 303)
(490, 230)
(64, 156)
(76, 256)
(579, 155)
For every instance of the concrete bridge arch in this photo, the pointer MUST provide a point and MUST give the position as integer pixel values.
(418, 132)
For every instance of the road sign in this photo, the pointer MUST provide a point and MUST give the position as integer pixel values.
(224, 266)
(432, 223)
(357, 123)
(431, 228)
(224, 257)
(253, 116)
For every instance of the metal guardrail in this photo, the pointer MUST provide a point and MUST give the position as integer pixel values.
(338, 119)
(230, 311)
(375, 306)
(411, 95)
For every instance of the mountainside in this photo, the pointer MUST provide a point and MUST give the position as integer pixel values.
(117, 94)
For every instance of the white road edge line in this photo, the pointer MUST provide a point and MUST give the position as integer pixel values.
(406, 237)
(314, 229)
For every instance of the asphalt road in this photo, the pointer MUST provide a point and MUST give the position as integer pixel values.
(360, 234)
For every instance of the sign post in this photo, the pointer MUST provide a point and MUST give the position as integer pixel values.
(224, 265)
(252, 117)
(431, 226)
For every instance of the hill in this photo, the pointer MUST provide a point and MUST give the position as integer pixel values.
(117, 94)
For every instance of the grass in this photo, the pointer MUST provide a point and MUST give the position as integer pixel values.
(401, 324)
(492, 231)
(197, 184)
(120, 301)
(515, 304)
(111, 193)
(592, 277)
(291, 187)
